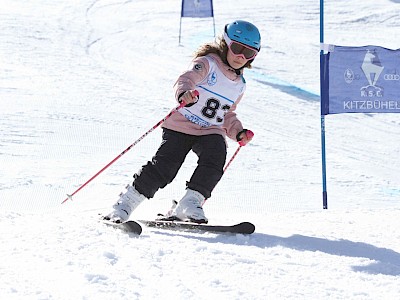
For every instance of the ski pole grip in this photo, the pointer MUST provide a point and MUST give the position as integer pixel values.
(249, 134)
(196, 93)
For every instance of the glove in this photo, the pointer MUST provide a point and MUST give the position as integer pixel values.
(189, 97)
(244, 136)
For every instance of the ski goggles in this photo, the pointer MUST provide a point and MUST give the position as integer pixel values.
(240, 49)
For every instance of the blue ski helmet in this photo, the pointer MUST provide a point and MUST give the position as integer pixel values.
(245, 33)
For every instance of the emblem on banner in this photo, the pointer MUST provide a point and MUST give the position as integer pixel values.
(349, 76)
(372, 69)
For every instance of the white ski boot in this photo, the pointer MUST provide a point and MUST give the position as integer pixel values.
(189, 208)
(126, 204)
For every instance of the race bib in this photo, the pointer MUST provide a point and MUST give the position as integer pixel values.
(217, 94)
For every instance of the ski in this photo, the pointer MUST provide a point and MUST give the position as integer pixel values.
(128, 226)
(241, 228)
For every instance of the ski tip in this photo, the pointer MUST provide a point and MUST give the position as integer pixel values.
(128, 226)
(133, 227)
(248, 228)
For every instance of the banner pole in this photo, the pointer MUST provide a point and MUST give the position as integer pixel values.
(180, 27)
(212, 13)
(323, 152)
(180, 21)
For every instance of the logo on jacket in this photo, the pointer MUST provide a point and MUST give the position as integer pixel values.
(198, 67)
(212, 79)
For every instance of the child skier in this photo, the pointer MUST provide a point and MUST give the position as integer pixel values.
(210, 90)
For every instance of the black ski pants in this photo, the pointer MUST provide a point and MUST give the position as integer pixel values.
(165, 164)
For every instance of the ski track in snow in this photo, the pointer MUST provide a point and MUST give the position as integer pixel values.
(78, 257)
(81, 80)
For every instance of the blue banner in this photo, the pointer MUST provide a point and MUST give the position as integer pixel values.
(360, 80)
(197, 8)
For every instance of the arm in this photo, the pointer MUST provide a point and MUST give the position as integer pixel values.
(232, 124)
(234, 128)
(187, 80)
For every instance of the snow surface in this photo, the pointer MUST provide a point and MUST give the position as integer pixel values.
(82, 79)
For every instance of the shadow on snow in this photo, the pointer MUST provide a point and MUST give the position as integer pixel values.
(385, 261)
(260, 76)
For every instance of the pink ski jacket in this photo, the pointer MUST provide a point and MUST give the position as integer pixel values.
(220, 89)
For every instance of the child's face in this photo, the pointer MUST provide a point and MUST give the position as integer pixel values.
(235, 61)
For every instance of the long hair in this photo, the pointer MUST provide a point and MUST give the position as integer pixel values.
(220, 48)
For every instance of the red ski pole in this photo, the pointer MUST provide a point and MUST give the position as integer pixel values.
(126, 150)
(249, 134)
